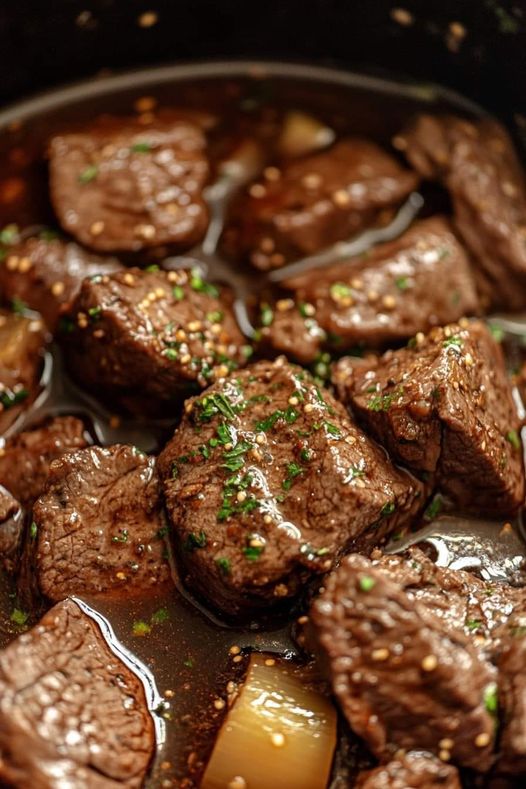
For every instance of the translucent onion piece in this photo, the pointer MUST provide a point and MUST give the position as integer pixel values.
(303, 134)
(278, 735)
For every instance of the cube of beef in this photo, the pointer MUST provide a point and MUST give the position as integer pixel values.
(71, 712)
(314, 202)
(403, 677)
(22, 344)
(476, 162)
(98, 525)
(11, 526)
(25, 458)
(123, 186)
(268, 482)
(152, 333)
(46, 275)
(443, 406)
(421, 280)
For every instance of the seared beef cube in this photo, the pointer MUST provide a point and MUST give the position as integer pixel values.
(476, 162)
(415, 770)
(71, 712)
(22, 342)
(444, 406)
(314, 202)
(267, 483)
(421, 280)
(460, 599)
(98, 525)
(155, 333)
(25, 458)
(403, 678)
(11, 523)
(128, 187)
(511, 702)
(47, 274)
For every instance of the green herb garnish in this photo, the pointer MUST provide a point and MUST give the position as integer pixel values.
(88, 174)
(366, 583)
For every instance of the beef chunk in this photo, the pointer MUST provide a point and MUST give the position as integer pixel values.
(25, 458)
(477, 164)
(421, 280)
(413, 770)
(71, 713)
(402, 677)
(512, 702)
(46, 274)
(444, 406)
(315, 202)
(11, 523)
(127, 187)
(99, 525)
(154, 332)
(267, 483)
(22, 341)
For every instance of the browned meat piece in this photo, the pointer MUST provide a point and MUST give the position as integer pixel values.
(154, 333)
(128, 187)
(444, 406)
(460, 599)
(22, 342)
(511, 701)
(25, 458)
(403, 678)
(11, 524)
(421, 280)
(314, 202)
(71, 713)
(477, 163)
(99, 525)
(46, 275)
(267, 483)
(411, 771)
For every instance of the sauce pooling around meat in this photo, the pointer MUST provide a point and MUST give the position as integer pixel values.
(226, 221)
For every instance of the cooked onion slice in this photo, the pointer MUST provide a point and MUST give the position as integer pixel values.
(278, 734)
(302, 134)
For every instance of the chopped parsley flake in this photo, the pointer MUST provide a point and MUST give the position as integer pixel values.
(141, 147)
(473, 624)
(141, 628)
(224, 565)
(33, 530)
(293, 470)
(195, 541)
(8, 398)
(18, 306)
(491, 699)
(434, 508)
(513, 437)
(388, 509)
(384, 402)
(267, 315)
(402, 283)
(339, 290)
(178, 293)
(453, 342)
(160, 616)
(366, 583)
(253, 552)
(19, 617)
(88, 174)
(198, 283)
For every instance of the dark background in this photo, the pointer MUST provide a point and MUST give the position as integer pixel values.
(46, 43)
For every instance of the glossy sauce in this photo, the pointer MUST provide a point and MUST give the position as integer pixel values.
(187, 652)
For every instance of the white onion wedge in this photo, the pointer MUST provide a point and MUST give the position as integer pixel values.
(302, 134)
(279, 734)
